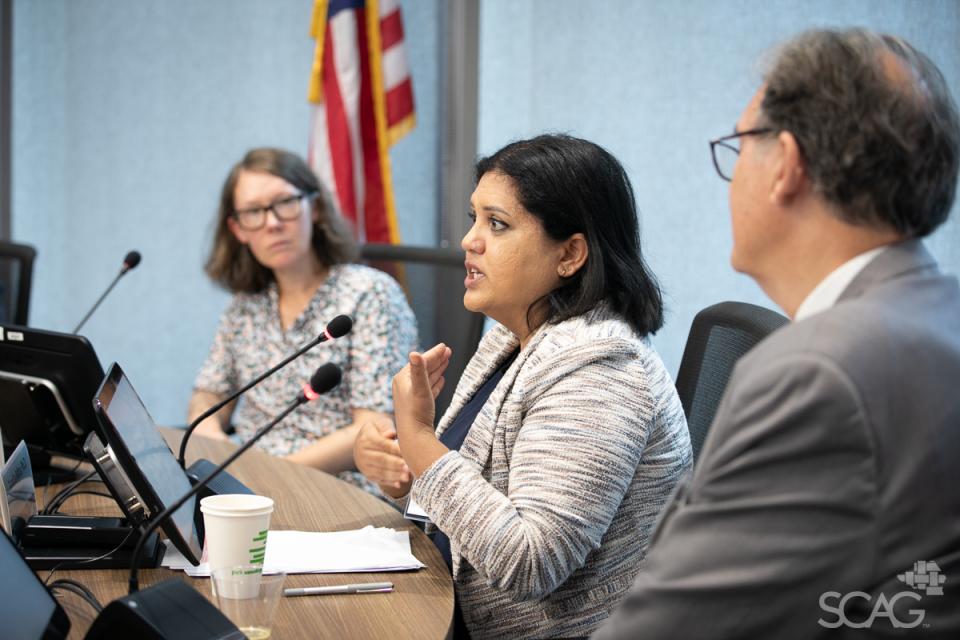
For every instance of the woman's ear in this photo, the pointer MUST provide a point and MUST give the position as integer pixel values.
(573, 256)
(237, 232)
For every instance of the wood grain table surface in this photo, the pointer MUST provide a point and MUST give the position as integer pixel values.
(420, 606)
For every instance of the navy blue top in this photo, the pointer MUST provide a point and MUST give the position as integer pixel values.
(456, 433)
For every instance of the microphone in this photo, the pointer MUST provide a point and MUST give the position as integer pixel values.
(130, 261)
(336, 328)
(172, 608)
(323, 380)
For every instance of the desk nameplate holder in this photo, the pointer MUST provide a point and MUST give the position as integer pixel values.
(78, 542)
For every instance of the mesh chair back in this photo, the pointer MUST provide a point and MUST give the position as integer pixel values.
(719, 336)
(433, 281)
(16, 276)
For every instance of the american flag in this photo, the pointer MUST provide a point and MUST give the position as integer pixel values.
(363, 96)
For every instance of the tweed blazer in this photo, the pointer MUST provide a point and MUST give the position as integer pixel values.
(550, 501)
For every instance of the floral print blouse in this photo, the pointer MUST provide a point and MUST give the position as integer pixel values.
(250, 340)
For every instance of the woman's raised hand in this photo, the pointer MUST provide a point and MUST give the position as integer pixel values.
(416, 387)
(377, 455)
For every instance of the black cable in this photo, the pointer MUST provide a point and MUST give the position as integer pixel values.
(79, 589)
(50, 479)
(89, 560)
(57, 501)
(80, 492)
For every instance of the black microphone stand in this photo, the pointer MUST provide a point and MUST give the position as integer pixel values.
(154, 523)
(129, 263)
(181, 458)
(336, 328)
(172, 608)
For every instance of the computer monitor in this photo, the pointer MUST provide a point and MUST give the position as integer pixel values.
(27, 610)
(46, 382)
(146, 459)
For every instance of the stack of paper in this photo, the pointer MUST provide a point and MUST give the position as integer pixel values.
(371, 549)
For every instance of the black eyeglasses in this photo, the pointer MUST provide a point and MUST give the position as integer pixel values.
(285, 209)
(725, 153)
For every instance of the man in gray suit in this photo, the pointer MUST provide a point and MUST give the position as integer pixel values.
(826, 501)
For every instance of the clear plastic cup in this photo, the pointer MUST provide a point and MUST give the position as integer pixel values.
(248, 597)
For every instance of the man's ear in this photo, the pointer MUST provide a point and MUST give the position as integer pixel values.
(574, 255)
(790, 174)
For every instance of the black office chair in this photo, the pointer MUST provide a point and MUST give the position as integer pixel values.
(433, 281)
(16, 275)
(719, 336)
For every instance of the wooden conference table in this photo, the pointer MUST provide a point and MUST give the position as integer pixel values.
(421, 605)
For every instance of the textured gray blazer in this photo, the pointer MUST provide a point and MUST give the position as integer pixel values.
(831, 466)
(550, 501)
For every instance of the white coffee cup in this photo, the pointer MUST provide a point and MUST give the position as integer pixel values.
(235, 528)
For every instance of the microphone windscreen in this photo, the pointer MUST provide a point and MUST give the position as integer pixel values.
(131, 260)
(325, 378)
(339, 326)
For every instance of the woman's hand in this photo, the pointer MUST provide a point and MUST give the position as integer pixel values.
(415, 390)
(212, 427)
(377, 455)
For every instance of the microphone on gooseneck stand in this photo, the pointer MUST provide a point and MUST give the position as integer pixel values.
(172, 608)
(130, 261)
(201, 468)
(336, 328)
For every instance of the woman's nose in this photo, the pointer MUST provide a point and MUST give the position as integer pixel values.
(272, 220)
(471, 242)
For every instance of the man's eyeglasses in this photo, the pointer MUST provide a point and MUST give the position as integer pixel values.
(725, 151)
(285, 210)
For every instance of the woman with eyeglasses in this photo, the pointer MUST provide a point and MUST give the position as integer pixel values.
(284, 252)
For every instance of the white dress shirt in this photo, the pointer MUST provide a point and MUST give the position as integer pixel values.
(825, 294)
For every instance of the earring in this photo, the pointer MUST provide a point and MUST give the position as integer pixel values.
(563, 272)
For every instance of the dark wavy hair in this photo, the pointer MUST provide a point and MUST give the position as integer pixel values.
(875, 122)
(232, 265)
(575, 186)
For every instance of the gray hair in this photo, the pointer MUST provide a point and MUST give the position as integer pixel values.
(876, 125)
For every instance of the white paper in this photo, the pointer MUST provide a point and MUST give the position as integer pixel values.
(371, 549)
(415, 512)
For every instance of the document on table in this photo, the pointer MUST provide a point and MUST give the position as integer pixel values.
(371, 549)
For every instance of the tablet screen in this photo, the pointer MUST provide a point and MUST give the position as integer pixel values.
(146, 459)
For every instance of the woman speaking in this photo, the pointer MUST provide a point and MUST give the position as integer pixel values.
(565, 434)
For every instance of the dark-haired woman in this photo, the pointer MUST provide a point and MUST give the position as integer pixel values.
(565, 435)
(283, 251)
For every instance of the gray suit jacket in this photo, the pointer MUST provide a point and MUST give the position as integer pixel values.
(833, 465)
